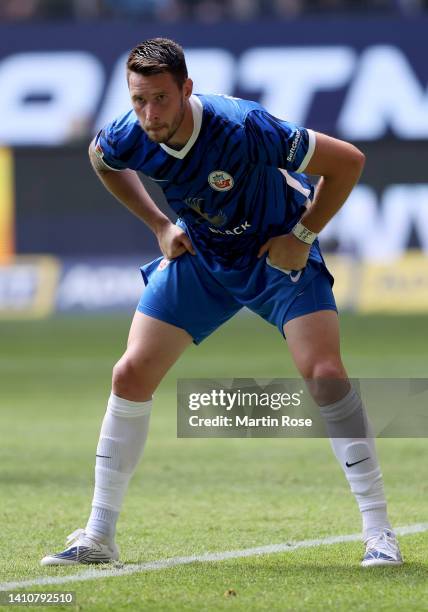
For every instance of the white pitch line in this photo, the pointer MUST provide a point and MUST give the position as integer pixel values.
(94, 574)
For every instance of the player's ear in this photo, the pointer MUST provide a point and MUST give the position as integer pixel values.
(188, 88)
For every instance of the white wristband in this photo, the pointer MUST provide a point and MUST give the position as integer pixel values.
(303, 234)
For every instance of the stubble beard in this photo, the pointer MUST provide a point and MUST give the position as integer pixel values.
(174, 128)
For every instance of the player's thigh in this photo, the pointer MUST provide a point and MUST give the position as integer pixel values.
(149, 335)
(314, 343)
(153, 347)
(312, 338)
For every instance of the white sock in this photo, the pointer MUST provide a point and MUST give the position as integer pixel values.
(121, 444)
(353, 444)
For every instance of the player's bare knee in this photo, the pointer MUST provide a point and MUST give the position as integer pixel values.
(128, 380)
(121, 376)
(328, 369)
(328, 382)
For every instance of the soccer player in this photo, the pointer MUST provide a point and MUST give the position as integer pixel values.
(246, 235)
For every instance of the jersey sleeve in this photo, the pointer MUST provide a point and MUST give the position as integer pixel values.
(116, 144)
(275, 142)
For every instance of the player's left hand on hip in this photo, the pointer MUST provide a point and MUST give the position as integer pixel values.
(286, 251)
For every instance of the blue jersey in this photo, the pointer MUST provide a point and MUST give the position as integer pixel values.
(236, 183)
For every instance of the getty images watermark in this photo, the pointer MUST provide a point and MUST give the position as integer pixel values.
(242, 408)
(231, 401)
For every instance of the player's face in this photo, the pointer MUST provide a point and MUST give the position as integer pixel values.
(159, 103)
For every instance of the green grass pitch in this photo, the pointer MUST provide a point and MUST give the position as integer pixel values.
(196, 496)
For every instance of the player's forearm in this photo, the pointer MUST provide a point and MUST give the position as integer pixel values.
(330, 195)
(128, 189)
(339, 164)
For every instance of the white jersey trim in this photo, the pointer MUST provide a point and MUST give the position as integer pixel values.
(197, 111)
(100, 158)
(310, 151)
(294, 183)
(109, 167)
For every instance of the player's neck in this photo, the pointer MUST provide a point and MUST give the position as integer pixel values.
(184, 131)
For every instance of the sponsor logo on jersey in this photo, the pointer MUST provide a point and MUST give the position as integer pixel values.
(294, 146)
(163, 264)
(236, 231)
(197, 204)
(220, 180)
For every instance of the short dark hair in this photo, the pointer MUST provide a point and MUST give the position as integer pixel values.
(158, 55)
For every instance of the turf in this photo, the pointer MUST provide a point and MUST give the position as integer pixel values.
(195, 496)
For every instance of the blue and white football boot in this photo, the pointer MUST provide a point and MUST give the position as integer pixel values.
(382, 550)
(83, 549)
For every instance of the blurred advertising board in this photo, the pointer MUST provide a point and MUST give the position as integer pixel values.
(28, 287)
(394, 287)
(399, 286)
(34, 287)
(61, 207)
(359, 78)
(99, 285)
(7, 204)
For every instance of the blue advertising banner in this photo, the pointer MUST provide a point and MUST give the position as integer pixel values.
(37, 286)
(359, 79)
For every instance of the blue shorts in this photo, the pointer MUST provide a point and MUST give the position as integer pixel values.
(185, 293)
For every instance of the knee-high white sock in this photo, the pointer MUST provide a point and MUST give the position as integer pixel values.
(353, 444)
(122, 439)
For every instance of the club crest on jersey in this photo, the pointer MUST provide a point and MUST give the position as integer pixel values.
(220, 180)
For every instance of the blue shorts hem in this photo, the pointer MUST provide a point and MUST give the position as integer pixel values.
(300, 313)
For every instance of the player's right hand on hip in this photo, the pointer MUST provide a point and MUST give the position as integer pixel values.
(173, 242)
(286, 251)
